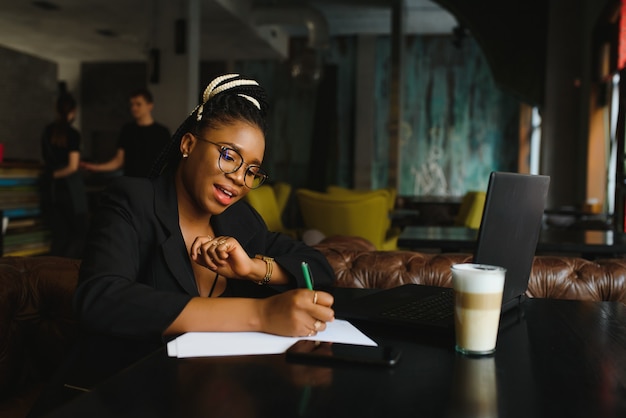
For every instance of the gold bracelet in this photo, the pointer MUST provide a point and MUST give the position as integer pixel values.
(269, 264)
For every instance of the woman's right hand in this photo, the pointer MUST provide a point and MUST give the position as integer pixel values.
(297, 313)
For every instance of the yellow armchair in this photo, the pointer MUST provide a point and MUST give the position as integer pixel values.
(363, 214)
(264, 201)
(282, 191)
(471, 210)
(392, 193)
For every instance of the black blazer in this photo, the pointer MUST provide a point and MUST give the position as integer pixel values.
(136, 275)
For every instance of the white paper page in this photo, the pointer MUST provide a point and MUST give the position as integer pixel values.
(203, 344)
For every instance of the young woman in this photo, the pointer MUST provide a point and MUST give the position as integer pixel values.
(183, 252)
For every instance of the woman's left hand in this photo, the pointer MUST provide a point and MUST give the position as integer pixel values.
(223, 255)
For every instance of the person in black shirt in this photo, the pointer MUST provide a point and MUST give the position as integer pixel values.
(64, 201)
(140, 142)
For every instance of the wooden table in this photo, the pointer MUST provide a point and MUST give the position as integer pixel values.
(559, 358)
(588, 244)
(430, 210)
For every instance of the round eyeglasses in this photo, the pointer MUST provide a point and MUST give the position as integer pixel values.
(230, 161)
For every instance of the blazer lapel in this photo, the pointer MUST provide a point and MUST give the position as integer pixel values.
(173, 248)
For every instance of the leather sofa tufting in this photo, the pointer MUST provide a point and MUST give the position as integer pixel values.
(358, 264)
(37, 325)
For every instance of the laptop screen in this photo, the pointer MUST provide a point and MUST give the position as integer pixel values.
(510, 228)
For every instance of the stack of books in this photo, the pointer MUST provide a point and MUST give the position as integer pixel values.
(23, 229)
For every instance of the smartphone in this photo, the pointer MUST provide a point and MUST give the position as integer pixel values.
(309, 351)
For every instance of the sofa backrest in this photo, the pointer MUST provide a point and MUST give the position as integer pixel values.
(37, 325)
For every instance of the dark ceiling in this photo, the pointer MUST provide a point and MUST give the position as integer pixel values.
(512, 34)
(113, 30)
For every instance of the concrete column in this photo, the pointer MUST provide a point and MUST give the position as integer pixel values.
(395, 95)
(364, 111)
(565, 120)
(176, 91)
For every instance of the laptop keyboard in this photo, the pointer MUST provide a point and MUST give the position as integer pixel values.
(432, 308)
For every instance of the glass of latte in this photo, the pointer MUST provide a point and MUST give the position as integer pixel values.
(478, 302)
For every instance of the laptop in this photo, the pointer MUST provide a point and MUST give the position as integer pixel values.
(507, 237)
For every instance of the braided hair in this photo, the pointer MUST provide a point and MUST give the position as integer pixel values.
(226, 100)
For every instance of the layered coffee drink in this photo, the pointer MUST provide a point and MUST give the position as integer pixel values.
(478, 302)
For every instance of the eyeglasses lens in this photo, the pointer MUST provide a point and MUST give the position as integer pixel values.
(254, 177)
(230, 161)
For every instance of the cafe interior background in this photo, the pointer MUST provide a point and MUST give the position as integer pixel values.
(425, 96)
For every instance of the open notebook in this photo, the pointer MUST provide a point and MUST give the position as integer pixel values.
(507, 237)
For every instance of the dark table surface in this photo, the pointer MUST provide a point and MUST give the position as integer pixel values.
(589, 244)
(559, 358)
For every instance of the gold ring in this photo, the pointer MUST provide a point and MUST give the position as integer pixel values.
(315, 298)
(310, 334)
(214, 243)
(221, 242)
(317, 325)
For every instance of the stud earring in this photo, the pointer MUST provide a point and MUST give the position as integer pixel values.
(185, 155)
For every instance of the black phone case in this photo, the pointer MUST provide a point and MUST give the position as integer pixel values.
(317, 352)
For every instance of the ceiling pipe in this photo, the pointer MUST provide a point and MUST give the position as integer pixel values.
(314, 21)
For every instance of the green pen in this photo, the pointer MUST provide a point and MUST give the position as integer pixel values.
(306, 392)
(308, 276)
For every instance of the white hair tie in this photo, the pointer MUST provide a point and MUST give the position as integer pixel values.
(215, 88)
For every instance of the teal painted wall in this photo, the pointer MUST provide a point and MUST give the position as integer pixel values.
(458, 125)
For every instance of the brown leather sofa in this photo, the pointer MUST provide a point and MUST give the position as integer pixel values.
(357, 264)
(37, 325)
